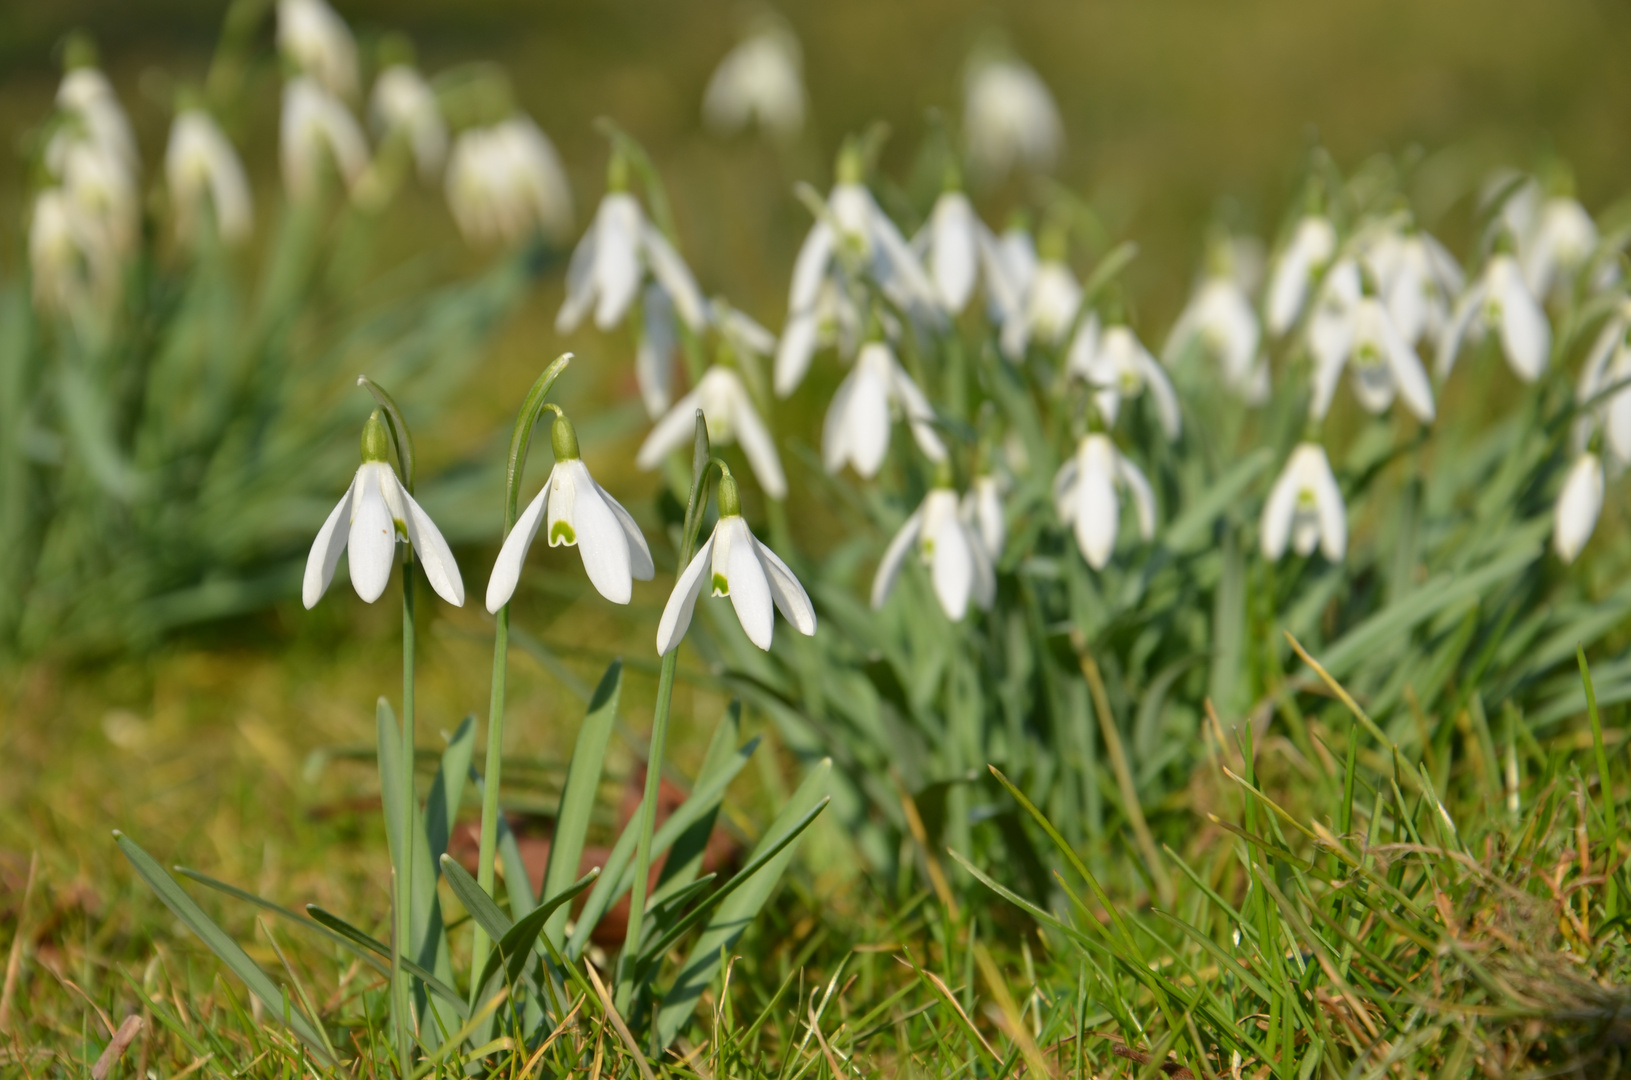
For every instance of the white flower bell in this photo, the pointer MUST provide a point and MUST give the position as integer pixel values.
(1220, 319)
(1563, 240)
(506, 183)
(70, 260)
(88, 99)
(959, 566)
(1417, 279)
(1049, 303)
(1608, 366)
(1085, 495)
(103, 192)
(1500, 300)
(1117, 365)
(318, 43)
(375, 512)
(1305, 507)
(1009, 118)
(854, 228)
(958, 249)
(728, 410)
(1578, 506)
(856, 431)
(317, 129)
(402, 101)
(982, 511)
(206, 179)
(1311, 247)
(1354, 331)
(733, 563)
(760, 81)
(575, 511)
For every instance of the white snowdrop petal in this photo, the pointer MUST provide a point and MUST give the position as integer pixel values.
(794, 351)
(580, 284)
(894, 557)
(1098, 515)
(513, 554)
(1455, 333)
(435, 557)
(1408, 373)
(617, 258)
(1525, 335)
(791, 599)
(750, 588)
(326, 549)
(602, 543)
(919, 413)
(952, 569)
(372, 543)
(1278, 512)
(953, 253)
(675, 278)
(861, 431)
(1064, 489)
(757, 445)
(810, 267)
(1160, 387)
(640, 564)
(1328, 506)
(1143, 495)
(674, 430)
(1578, 507)
(683, 600)
(654, 354)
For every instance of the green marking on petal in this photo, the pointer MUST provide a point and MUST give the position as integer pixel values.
(561, 533)
(722, 587)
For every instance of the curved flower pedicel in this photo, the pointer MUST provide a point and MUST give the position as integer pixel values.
(1117, 365)
(959, 564)
(1578, 505)
(1305, 507)
(1085, 495)
(733, 563)
(375, 512)
(576, 512)
(1352, 330)
(1500, 300)
(856, 431)
(729, 413)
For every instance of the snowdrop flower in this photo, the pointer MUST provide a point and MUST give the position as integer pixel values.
(855, 227)
(1578, 506)
(1219, 317)
(1563, 239)
(375, 512)
(70, 262)
(1085, 494)
(1608, 365)
(87, 98)
(1116, 365)
(733, 563)
(1050, 302)
(318, 128)
(103, 192)
(506, 182)
(577, 512)
(959, 566)
(1009, 118)
(760, 81)
(1357, 332)
(317, 42)
(729, 413)
(206, 177)
(1416, 279)
(1500, 300)
(982, 512)
(1305, 506)
(1312, 244)
(958, 249)
(856, 431)
(403, 101)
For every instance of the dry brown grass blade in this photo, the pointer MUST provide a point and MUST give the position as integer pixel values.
(618, 1024)
(1008, 1010)
(914, 825)
(14, 962)
(122, 1038)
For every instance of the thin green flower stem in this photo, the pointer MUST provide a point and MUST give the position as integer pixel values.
(520, 438)
(701, 460)
(402, 940)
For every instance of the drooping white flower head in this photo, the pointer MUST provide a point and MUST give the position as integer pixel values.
(72, 265)
(1305, 507)
(1085, 494)
(95, 116)
(1578, 506)
(1563, 240)
(957, 250)
(728, 410)
(1417, 280)
(506, 182)
(982, 512)
(318, 131)
(103, 192)
(942, 539)
(1607, 367)
(760, 81)
(733, 563)
(1117, 365)
(207, 180)
(856, 431)
(1353, 331)
(317, 42)
(1500, 300)
(402, 101)
(1220, 319)
(375, 512)
(1049, 301)
(853, 231)
(1009, 118)
(1312, 244)
(575, 511)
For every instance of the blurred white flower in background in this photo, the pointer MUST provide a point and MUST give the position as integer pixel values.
(859, 419)
(760, 81)
(1220, 319)
(318, 132)
(1554, 235)
(506, 182)
(1116, 365)
(1607, 367)
(69, 260)
(87, 100)
(103, 193)
(316, 42)
(959, 565)
(982, 511)
(958, 250)
(1009, 118)
(1578, 506)
(1313, 242)
(1353, 331)
(1500, 300)
(206, 179)
(1048, 304)
(728, 410)
(403, 102)
(1417, 280)
(1305, 507)
(1085, 496)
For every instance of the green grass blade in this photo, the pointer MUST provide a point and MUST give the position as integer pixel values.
(358, 940)
(363, 953)
(578, 795)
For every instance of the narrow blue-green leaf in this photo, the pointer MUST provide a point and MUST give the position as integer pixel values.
(578, 795)
(360, 942)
